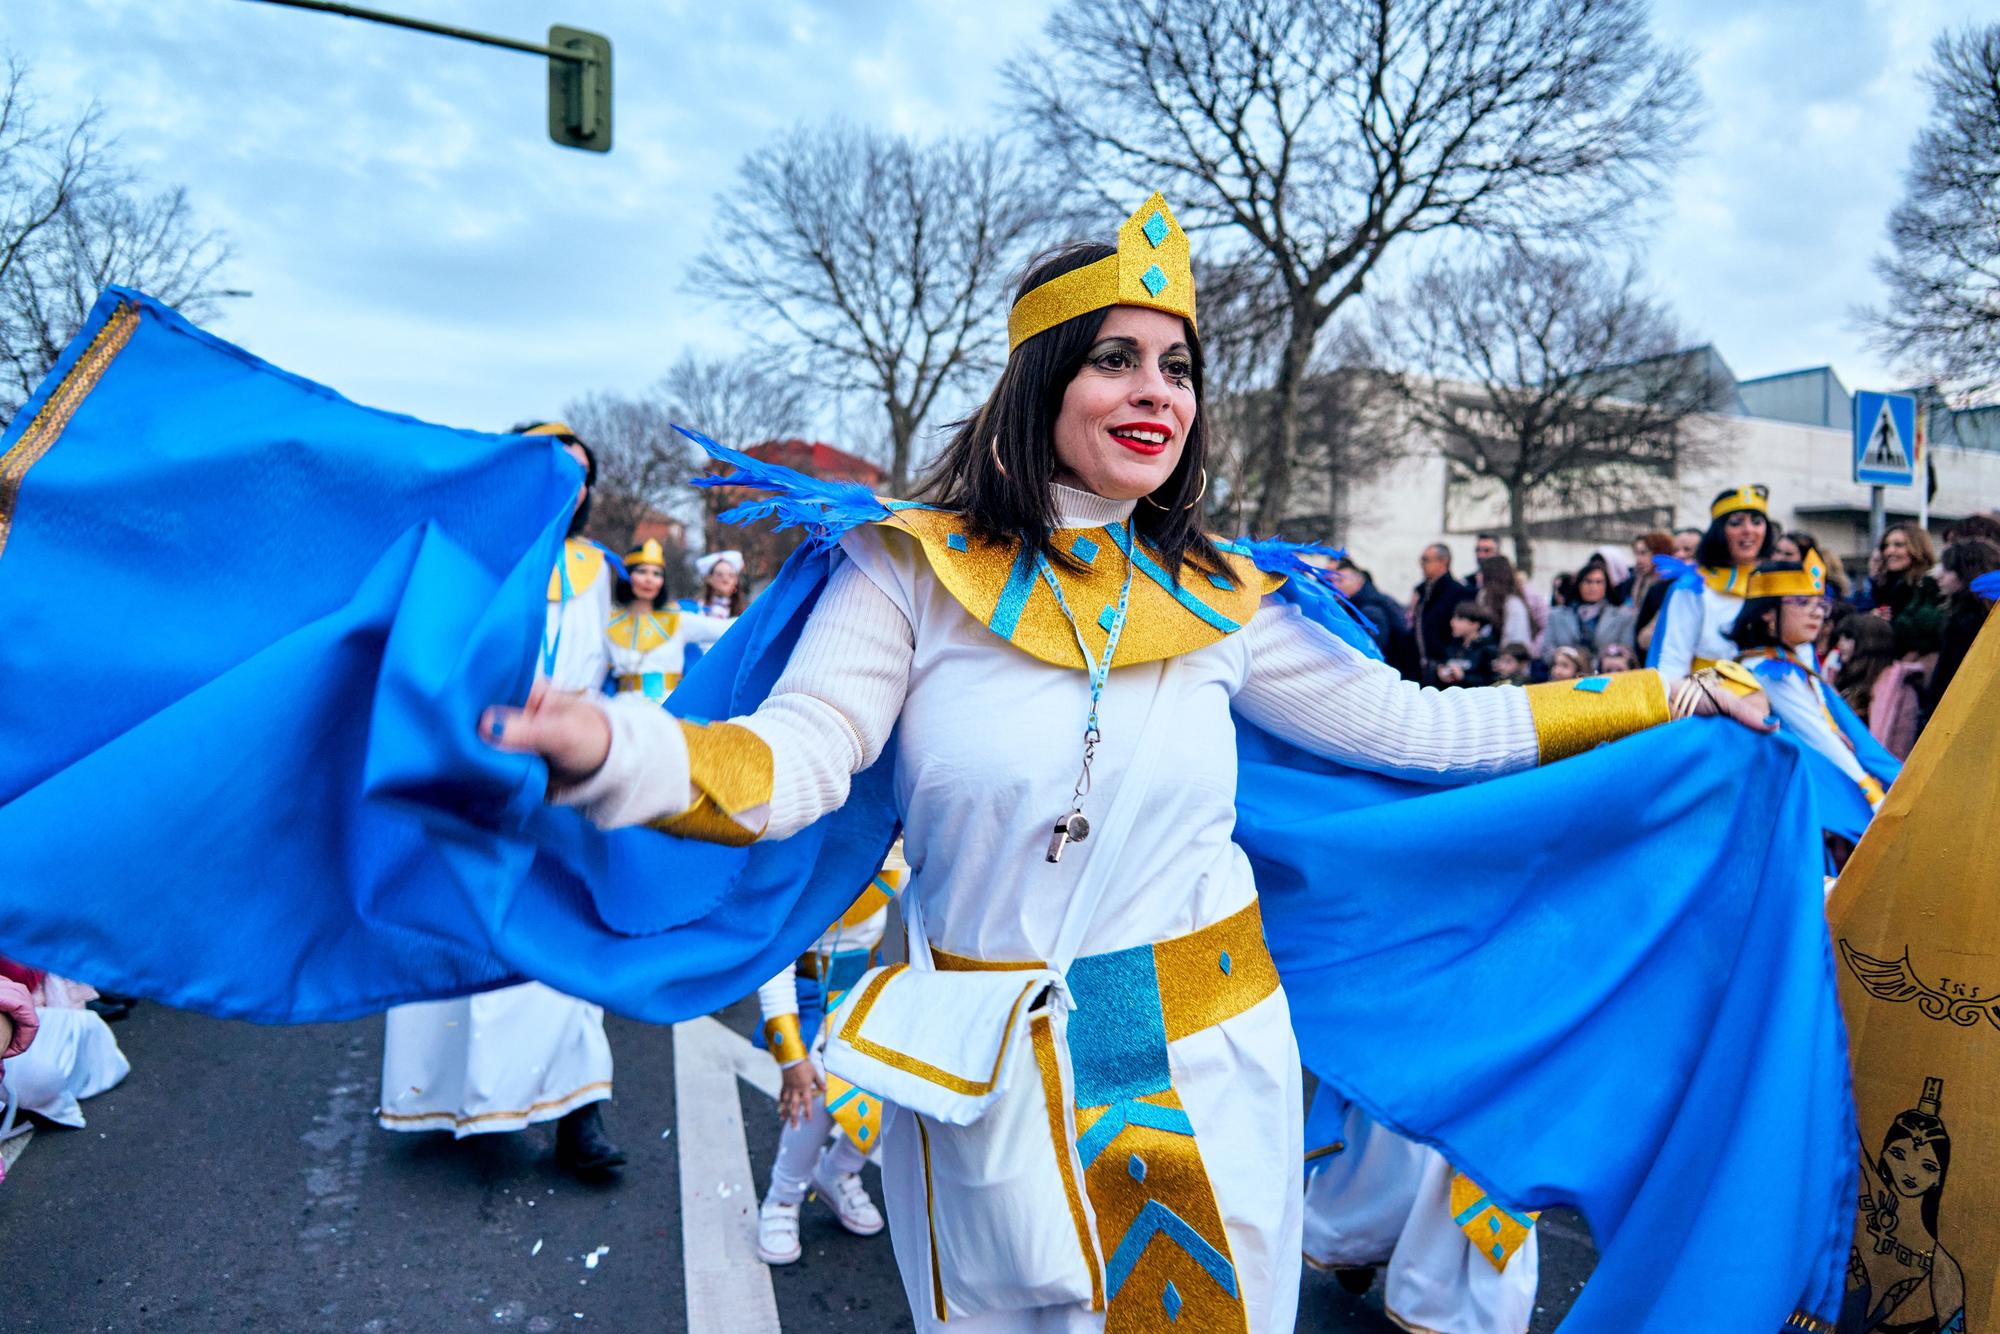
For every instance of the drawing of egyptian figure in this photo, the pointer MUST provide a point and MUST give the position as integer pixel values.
(1900, 1278)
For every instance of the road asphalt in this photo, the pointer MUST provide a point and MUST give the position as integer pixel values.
(237, 1181)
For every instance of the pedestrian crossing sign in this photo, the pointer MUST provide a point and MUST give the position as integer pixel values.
(1885, 439)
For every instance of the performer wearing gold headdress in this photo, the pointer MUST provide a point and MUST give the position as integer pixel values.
(649, 646)
(515, 1056)
(1783, 612)
(1064, 659)
(830, 1126)
(1692, 629)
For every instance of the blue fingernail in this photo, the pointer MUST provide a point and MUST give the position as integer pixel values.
(1772, 720)
(499, 729)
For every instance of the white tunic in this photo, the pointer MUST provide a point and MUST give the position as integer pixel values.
(1696, 626)
(1798, 699)
(650, 650)
(504, 1059)
(988, 746)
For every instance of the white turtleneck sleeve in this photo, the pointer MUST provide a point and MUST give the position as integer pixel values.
(1307, 686)
(827, 718)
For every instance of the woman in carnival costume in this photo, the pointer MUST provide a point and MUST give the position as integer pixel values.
(507, 1059)
(1701, 604)
(1556, 1040)
(722, 593)
(830, 1126)
(1784, 611)
(648, 648)
(1023, 635)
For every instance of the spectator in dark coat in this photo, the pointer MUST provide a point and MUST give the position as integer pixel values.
(1431, 606)
(1470, 658)
(1385, 619)
(1965, 611)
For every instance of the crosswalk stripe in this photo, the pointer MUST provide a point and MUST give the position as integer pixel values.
(728, 1287)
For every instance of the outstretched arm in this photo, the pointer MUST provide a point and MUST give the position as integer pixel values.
(767, 774)
(1315, 691)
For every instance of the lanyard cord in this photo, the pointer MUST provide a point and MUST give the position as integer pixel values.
(1100, 671)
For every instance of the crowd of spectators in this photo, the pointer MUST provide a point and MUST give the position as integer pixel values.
(1893, 643)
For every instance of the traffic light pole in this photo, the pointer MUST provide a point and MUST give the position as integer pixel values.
(579, 105)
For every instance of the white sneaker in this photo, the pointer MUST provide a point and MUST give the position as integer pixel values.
(848, 1199)
(777, 1232)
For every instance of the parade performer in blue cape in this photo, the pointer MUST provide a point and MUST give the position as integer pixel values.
(1330, 864)
(1784, 610)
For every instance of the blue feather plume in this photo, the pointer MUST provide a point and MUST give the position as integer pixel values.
(1274, 555)
(1670, 568)
(825, 509)
(1987, 586)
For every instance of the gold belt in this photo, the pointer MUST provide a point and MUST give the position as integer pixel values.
(636, 682)
(1206, 976)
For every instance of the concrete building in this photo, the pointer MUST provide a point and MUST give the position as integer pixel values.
(1792, 432)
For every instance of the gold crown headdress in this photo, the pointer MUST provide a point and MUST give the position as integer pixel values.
(1809, 582)
(649, 553)
(557, 429)
(1756, 497)
(1150, 269)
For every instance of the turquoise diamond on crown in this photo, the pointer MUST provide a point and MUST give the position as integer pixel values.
(1170, 1301)
(1155, 279)
(1156, 229)
(1137, 1167)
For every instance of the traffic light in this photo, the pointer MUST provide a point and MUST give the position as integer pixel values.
(580, 89)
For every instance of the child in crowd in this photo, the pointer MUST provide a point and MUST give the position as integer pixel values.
(1469, 660)
(1569, 663)
(1615, 657)
(1510, 665)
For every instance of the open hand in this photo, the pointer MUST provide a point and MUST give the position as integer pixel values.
(1752, 710)
(568, 730)
(802, 1084)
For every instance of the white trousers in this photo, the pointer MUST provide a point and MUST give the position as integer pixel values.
(799, 1148)
(497, 1061)
(1385, 1199)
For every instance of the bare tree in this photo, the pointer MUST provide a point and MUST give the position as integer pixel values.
(887, 260)
(1553, 377)
(643, 464)
(735, 401)
(1943, 272)
(71, 223)
(1316, 135)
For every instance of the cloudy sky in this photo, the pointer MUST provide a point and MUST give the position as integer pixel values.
(410, 236)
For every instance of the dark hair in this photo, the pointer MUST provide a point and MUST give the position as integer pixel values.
(1494, 538)
(1714, 548)
(1470, 610)
(998, 465)
(1981, 527)
(1610, 585)
(1874, 651)
(624, 593)
(1750, 629)
(1345, 564)
(1968, 558)
(1517, 651)
(1496, 584)
(579, 520)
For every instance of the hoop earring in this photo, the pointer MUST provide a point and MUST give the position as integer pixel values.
(1199, 493)
(993, 448)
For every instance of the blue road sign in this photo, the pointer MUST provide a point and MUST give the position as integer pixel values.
(1885, 438)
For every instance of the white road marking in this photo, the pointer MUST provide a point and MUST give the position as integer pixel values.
(728, 1287)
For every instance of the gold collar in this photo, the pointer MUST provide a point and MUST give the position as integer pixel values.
(999, 586)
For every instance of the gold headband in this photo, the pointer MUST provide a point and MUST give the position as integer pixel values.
(1150, 269)
(552, 428)
(1755, 497)
(1809, 582)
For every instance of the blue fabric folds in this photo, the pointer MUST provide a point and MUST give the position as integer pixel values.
(249, 629)
(1606, 983)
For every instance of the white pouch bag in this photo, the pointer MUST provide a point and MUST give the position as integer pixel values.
(979, 1059)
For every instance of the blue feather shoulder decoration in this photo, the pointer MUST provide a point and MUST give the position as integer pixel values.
(825, 509)
(1274, 555)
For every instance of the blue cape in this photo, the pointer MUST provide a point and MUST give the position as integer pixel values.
(1599, 983)
(1843, 807)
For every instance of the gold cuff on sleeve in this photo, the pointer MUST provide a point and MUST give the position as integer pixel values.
(781, 1035)
(1573, 716)
(730, 768)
